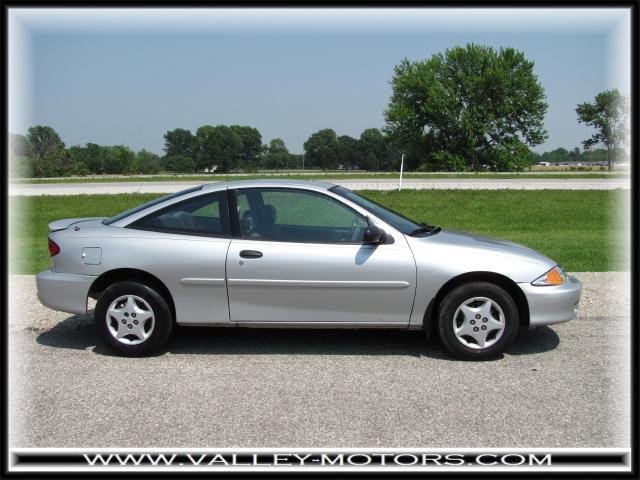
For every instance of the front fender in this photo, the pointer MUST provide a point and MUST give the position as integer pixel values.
(438, 263)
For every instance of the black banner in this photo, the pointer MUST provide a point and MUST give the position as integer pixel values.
(604, 460)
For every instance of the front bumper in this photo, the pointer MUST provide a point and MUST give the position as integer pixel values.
(552, 304)
(64, 291)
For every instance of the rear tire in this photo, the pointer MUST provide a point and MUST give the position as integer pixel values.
(478, 321)
(133, 319)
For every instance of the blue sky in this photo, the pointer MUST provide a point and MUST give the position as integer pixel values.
(128, 84)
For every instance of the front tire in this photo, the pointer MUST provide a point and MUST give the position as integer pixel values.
(133, 319)
(478, 321)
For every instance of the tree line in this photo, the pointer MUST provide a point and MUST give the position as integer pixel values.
(468, 108)
(42, 153)
(221, 148)
(240, 148)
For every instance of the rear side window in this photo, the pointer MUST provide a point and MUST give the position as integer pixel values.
(202, 215)
(139, 208)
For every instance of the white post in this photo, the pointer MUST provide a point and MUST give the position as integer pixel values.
(401, 168)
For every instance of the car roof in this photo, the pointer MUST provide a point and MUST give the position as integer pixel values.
(276, 182)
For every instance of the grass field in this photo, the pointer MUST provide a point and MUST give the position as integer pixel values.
(318, 176)
(572, 227)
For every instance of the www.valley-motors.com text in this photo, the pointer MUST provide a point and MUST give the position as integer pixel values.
(297, 459)
(328, 460)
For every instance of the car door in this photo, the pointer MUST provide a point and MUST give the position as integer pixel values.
(298, 257)
(185, 245)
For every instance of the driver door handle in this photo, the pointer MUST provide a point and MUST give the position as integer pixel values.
(250, 254)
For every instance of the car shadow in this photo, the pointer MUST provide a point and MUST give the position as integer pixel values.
(77, 332)
(534, 340)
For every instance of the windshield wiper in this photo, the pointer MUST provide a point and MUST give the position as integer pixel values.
(429, 229)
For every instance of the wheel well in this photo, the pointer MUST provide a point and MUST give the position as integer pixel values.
(431, 326)
(107, 279)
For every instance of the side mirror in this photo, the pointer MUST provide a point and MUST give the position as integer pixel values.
(373, 235)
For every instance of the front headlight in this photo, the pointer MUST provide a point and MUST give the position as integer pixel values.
(555, 276)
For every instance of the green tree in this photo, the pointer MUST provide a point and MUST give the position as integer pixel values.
(575, 155)
(558, 155)
(276, 155)
(49, 157)
(321, 149)
(474, 102)
(562, 155)
(112, 160)
(44, 141)
(608, 115)
(511, 156)
(75, 165)
(217, 146)
(147, 162)
(251, 145)
(91, 155)
(295, 160)
(126, 158)
(277, 145)
(179, 142)
(47, 150)
(348, 153)
(20, 155)
(19, 145)
(374, 149)
(447, 162)
(104, 159)
(179, 164)
(594, 155)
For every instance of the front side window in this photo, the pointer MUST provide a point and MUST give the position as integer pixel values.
(289, 215)
(202, 215)
(400, 222)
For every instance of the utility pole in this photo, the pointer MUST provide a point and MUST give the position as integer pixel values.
(401, 168)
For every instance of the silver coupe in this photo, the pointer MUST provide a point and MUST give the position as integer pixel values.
(275, 253)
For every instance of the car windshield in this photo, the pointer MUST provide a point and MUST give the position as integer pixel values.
(400, 222)
(139, 208)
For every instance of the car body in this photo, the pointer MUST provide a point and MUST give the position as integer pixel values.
(273, 253)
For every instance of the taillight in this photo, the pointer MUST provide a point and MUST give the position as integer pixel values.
(54, 249)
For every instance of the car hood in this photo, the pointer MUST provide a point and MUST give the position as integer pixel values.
(486, 245)
(67, 222)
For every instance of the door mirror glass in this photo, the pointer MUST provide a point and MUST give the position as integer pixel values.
(373, 235)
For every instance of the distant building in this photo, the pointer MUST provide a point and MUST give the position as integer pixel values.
(569, 163)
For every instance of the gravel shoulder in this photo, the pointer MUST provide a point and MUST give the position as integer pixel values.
(560, 386)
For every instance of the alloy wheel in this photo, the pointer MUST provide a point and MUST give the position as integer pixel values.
(478, 323)
(130, 319)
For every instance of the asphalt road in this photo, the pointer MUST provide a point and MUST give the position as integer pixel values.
(366, 184)
(560, 386)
